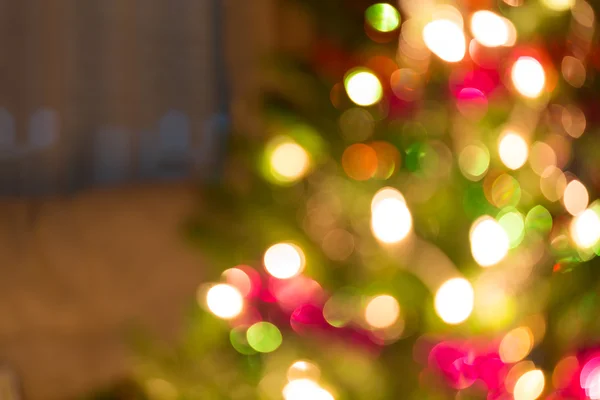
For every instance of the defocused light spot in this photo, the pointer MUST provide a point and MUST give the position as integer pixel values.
(528, 77)
(382, 311)
(490, 29)
(239, 280)
(513, 150)
(558, 5)
(302, 369)
(589, 378)
(383, 17)
(225, 301)
(472, 103)
(363, 87)
(564, 371)
(391, 220)
(289, 161)
(513, 224)
(583, 13)
(284, 260)
(493, 308)
(585, 229)
(530, 385)
(388, 159)
(406, 84)
(573, 120)
(359, 161)
(305, 389)
(239, 341)
(553, 183)
(575, 197)
(573, 71)
(516, 345)
(339, 309)
(489, 242)
(159, 389)
(445, 39)
(474, 161)
(539, 220)
(338, 244)
(505, 191)
(514, 3)
(264, 337)
(541, 157)
(454, 301)
(356, 124)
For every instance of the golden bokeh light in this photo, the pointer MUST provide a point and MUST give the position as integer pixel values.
(474, 161)
(284, 260)
(225, 301)
(528, 77)
(530, 385)
(553, 183)
(573, 121)
(359, 161)
(513, 150)
(391, 220)
(382, 311)
(564, 370)
(516, 345)
(303, 369)
(445, 39)
(289, 161)
(573, 71)
(541, 157)
(304, 389)
(492, 30)
(363, 87)
(454, 301)
(585, 229)
(558, 5)
(575, 197)
(489, 241)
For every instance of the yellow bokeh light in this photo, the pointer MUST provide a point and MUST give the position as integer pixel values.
(225, 301)
(391, 220)
(304, 389)
(363, 87)
(302, 369)
(559, 5)
(382, 311)
(492, 30)
(575, 197)
(284, 260)
(528, 77)
(585, 229)
(516, 345)
(290, 161)
(529, 386)
(454, 301)
(489, 241)
(513, 150)
(445, 39)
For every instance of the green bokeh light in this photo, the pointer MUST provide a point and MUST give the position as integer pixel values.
(514, 225)
(238, 339)
(264, 337)
(538, 220)
(474, 161)
(383, 17)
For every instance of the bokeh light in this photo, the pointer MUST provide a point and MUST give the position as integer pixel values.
(514, 225)
(356, 124)
(363, 87)
(160, 389)
(406, 84)
(513, 150)
(489, 241)
(474, 161)
(289, 161)
(541, 157)
(516, 345)
(585, 229)
(264, 337)
(284, 260)
(573, 71)
(564, 370)
(573, 121)
(454, 301)
(528, 77)
(359, 161)
(575, 197)
(505, 191)
(238, 279)
(391, 220)
(472, 103)
(530, 385)
(492, 30)
(304, 389)
(558, 5)
(225, 301)
(303, 369)
(445, 39)
(553, 183)
(383, 17)
(538, 220)
(589, 378)
(382, 311)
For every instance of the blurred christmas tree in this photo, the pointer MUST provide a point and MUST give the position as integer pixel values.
(416, 222)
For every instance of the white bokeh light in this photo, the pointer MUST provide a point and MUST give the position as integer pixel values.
(284, 260)
(585, 229)
(363, 87)
(391, 220)
(445, 39)
(489, 241)
(513, 150)
(290, 161)
(382, 311)
(492, 30)
(528, 77)
(225, 301)
(575, 197)
(454, 301)
(305, 389)
(530, 385)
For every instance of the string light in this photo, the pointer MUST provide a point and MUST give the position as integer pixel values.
(528, 77)
(445, 39)
(489, 242)
(225, 301)
(284, 260)
(454, 301)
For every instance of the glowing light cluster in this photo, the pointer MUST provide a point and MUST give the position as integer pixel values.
(489, 242)
(225, 301)
(446, 39)
(454, 301)
(284, 260)
(492, 30)
(391, 220)
(528, 77)
(585, 229)
(363, 87)
(382, 311)
(513, 150)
